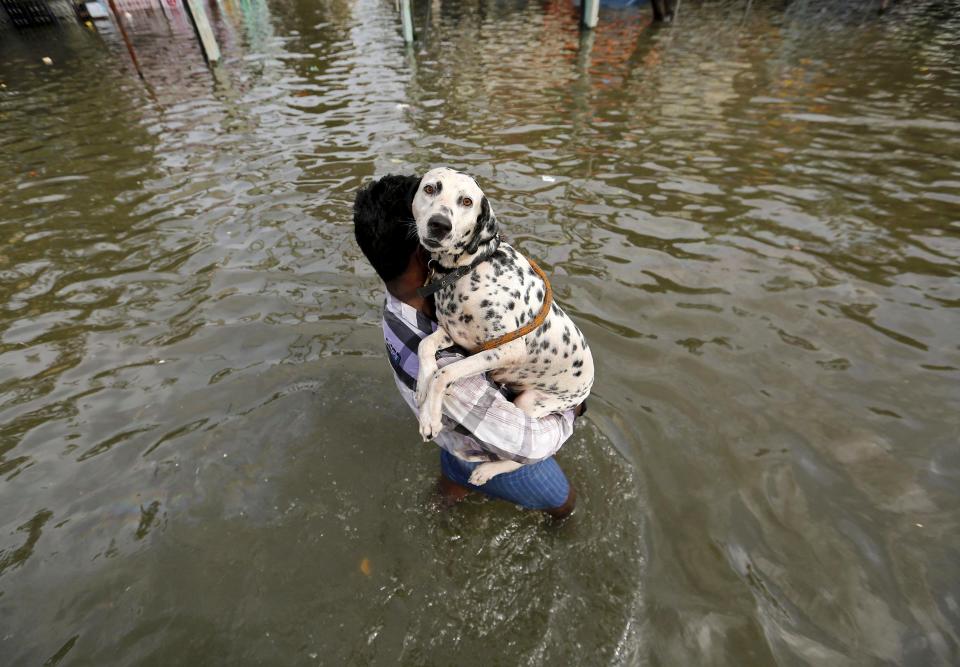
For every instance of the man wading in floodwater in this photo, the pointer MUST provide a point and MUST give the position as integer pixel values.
(480, 423)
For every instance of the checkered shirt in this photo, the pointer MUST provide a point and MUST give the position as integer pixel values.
(480, 423)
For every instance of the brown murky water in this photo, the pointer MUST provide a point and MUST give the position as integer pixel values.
(753, 214)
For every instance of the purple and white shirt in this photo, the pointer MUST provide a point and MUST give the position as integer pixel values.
(480, 423)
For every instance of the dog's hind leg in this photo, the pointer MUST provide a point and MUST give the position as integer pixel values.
(484, 472)
(431, 410)
(427, 354)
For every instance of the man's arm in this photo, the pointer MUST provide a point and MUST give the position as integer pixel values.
(474, 409)
(498, 425)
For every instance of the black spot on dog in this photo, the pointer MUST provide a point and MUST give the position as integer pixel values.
(511, 305)
(578, 374)
(578, 363)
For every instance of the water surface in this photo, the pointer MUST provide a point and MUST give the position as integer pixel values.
(753, 214)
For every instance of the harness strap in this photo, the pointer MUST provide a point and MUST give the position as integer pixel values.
(529, 326)
(453, 276)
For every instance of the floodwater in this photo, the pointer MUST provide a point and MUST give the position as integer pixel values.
(753, 214)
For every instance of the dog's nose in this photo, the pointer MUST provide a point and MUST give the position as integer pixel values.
(438, 226)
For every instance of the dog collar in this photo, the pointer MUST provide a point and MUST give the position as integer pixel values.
(431, 287)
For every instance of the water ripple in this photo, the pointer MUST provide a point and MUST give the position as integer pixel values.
(752, 214)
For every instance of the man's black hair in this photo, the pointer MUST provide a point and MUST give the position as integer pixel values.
(383, 223)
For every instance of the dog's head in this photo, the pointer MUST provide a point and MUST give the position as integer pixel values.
(453, 216)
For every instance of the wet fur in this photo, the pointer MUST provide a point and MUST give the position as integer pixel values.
(551, 368)
(502, 295)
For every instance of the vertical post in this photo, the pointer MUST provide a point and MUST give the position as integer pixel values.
(662, 10)
(209, 43)
(126, 38)
(589, 13)
(407, 19)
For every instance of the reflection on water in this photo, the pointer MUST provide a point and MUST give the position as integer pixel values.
(753, 215)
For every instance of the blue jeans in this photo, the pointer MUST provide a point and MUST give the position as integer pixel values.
(538, 486)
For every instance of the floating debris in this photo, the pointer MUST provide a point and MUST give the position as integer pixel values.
(47, 60)
(365, 566)
(96, 11)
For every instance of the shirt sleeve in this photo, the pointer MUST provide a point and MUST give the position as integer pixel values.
(498, 425)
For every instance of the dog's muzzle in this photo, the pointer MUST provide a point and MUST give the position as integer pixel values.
(438, 226)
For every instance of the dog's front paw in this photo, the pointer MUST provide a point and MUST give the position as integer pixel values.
(482, 474)
(430, 425)
(430, 431)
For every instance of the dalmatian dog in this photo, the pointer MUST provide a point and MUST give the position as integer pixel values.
(491, 290)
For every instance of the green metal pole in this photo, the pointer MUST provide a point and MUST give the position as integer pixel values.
(590, 13)
(407, 18)
(207, 40)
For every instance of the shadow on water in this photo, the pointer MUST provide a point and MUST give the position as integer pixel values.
(752, 214)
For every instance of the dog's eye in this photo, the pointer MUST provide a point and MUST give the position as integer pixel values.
(428, 189)
(466, 201)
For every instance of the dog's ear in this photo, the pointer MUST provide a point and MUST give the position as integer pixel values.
(485, 228)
